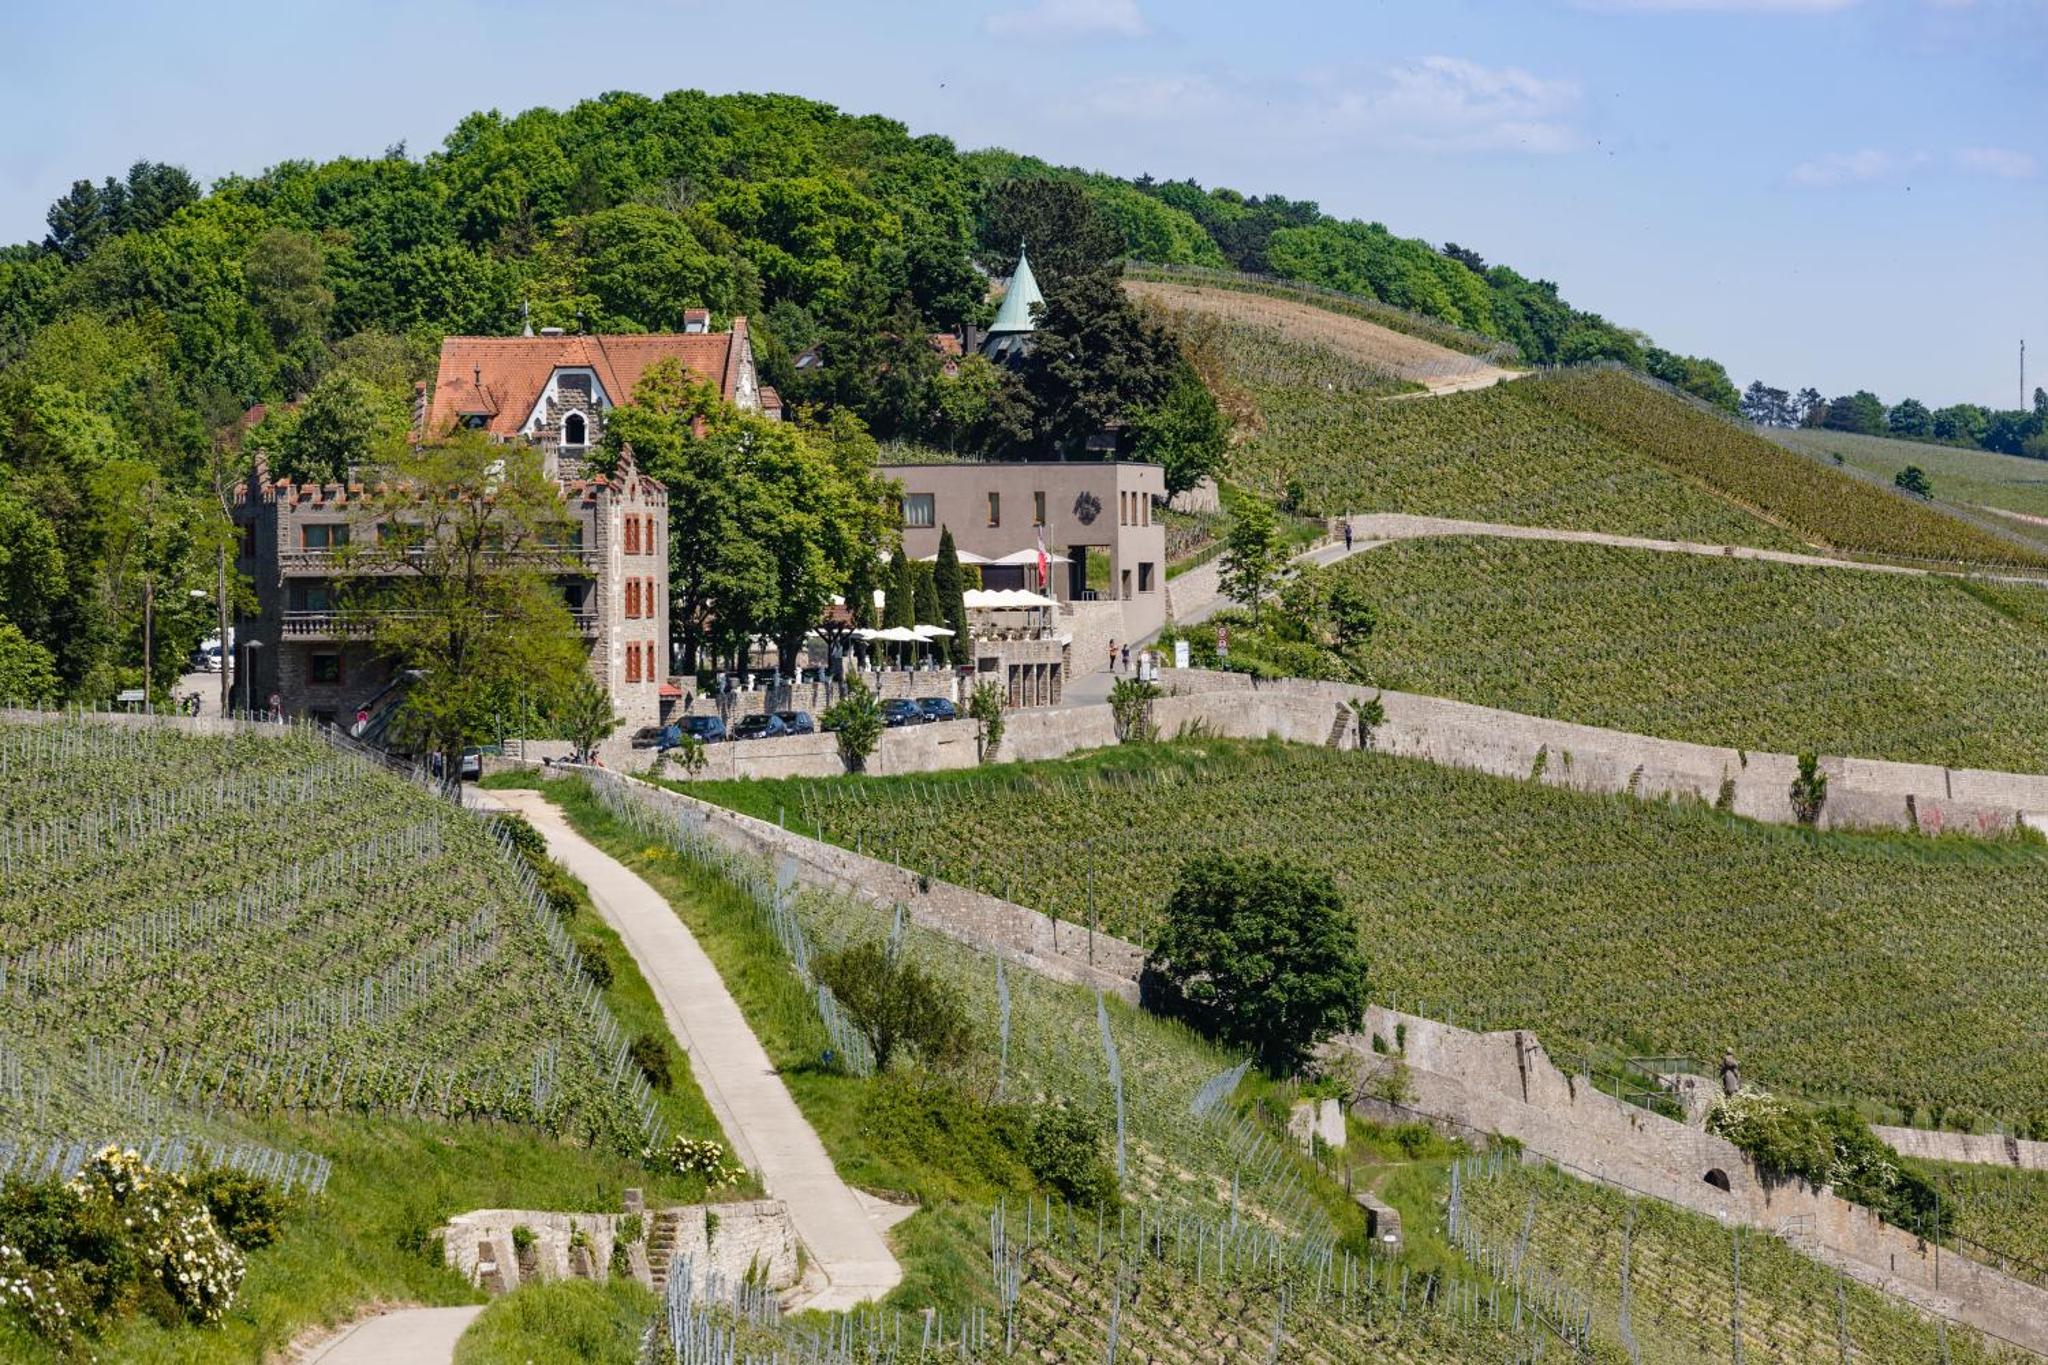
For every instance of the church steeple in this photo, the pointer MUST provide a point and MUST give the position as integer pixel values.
(1009, 336)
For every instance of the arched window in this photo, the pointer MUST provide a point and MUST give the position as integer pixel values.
(575, 430)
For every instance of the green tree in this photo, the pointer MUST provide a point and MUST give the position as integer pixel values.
(345, 422)
(985, 707)
(1961, 424)
(1096, 362)
(899, 597)
(951, 586)
(285, 274)
(1809, 791)
(855, 721)
(586, 715)
(28, 672)
(925, 594)
(1913, 479)
(1066, 232)
(1254, 557)
(1911, 419)
(79, 221)
(1862, 412)
(476, 615)
(1185, 432)
(897, 1003)
(1260, 955)
(643, 268)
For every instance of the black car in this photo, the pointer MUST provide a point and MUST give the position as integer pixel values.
(902, 711)
(797, 722)
(761, 725)
(658, 737)
(937, 709)
(704, 729)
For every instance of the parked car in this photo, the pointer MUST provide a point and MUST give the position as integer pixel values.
(658, 737)
(704, 729)
(760, 725)
(797, 722)
(937, 709)
(471, 766)
(902, 711)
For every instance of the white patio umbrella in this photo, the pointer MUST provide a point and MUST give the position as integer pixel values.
(964, 556)
(1028, 557)
(926, 632)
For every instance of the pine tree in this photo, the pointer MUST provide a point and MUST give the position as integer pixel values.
(952, 588)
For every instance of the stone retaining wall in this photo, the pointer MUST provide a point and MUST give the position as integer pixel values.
(1504, 1083)
(1976, 1149)
(753, 1236)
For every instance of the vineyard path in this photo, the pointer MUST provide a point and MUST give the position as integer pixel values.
(767, 1131)
(404, 1336)
(1373, 529)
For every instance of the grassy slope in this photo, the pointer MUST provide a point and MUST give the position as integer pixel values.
(1821, 504)
(1982, 477)
(1484, 456)
(1740, 653)
(1836, 964)
(369, 1239)
(570, 1320)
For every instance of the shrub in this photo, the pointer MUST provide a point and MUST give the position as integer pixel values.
(1832, 1147)
(1258, 954)
(856, 719)
(526, 841)
(896, 1003)
(1809, 790)
(1370, 713)
(1130, 709)
(701, 1156)
(1066, 1154)
(650, 1054)
(985, 708)
(249, 1210)
(598, 968)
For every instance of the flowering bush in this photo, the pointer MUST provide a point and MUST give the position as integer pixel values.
(699, 1156)
(118, 1235)
(1832, 1147)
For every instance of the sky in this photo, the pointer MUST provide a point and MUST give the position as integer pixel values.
(1841, 193)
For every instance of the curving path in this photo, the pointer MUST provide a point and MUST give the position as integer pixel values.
(404, 1336)
(1373, 529)
(840, 1233)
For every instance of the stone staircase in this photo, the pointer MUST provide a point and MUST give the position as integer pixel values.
(664, 1231)
(1338, 729)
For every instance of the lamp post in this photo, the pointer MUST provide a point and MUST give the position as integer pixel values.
(249, 675)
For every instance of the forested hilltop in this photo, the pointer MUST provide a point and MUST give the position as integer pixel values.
(162, 332)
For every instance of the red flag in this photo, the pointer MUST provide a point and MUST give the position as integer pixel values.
(1044, 563)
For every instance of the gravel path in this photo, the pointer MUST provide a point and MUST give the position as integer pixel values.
(841, 1235)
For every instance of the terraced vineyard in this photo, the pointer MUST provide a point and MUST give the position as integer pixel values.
(1485, 456)
(1983, 478)
(1683, 1305)
(1997, 1206)
(1898, 971)
(1735, 652)
(1830, 509)
(266, 924)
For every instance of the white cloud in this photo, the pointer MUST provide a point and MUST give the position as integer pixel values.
(2003, 162)
(1154, 97)
(1071, 19)
(1450, 104)
(1850, 168)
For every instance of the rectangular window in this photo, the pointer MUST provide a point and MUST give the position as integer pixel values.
(995, 509)
(1127, 585)
(1038, 508)
(632, 535)
(632, 597)
(312, 597)
(1144, 576)
(632, 663)
(324, 670)
(918, 510)
(324, 536)
(652, 674)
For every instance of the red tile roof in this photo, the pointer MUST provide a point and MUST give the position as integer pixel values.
(501, 378)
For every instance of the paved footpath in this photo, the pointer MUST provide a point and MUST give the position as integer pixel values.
(406, 1336)
(760, 1118)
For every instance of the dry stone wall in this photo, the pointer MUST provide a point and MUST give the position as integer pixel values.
(751, 1237)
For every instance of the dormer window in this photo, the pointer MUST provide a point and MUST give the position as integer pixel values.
(575, 430)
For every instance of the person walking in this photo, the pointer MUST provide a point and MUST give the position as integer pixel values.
(1127, 657)
(1347, 535)
(1112, 656)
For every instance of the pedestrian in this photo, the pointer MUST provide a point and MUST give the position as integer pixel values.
(1347, 535)
(1112, 656)
(1127, 656)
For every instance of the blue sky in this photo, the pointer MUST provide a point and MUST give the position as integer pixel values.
(1836, 192)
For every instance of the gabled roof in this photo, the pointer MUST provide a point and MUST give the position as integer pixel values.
(501, 378)
(1018, 300)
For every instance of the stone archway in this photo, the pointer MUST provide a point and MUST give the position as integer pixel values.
(1718, 1178)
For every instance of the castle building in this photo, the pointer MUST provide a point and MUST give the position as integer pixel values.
(552, 391)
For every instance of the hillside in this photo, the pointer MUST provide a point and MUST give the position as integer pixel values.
(1605, 924)
(1741, 653)
(1980, 479)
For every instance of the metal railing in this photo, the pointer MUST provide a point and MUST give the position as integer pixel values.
(348, 559)
(335, 625)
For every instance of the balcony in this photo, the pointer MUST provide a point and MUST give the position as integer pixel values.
(330, 625)
(348, 561)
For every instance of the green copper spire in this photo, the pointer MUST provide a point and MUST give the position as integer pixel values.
(1014, 314)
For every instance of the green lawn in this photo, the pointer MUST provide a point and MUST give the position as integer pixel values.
(1746, 654)
(1891, 969)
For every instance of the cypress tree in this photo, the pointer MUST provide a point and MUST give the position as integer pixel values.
(899, 606)
(952, 588)
(927, 595)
